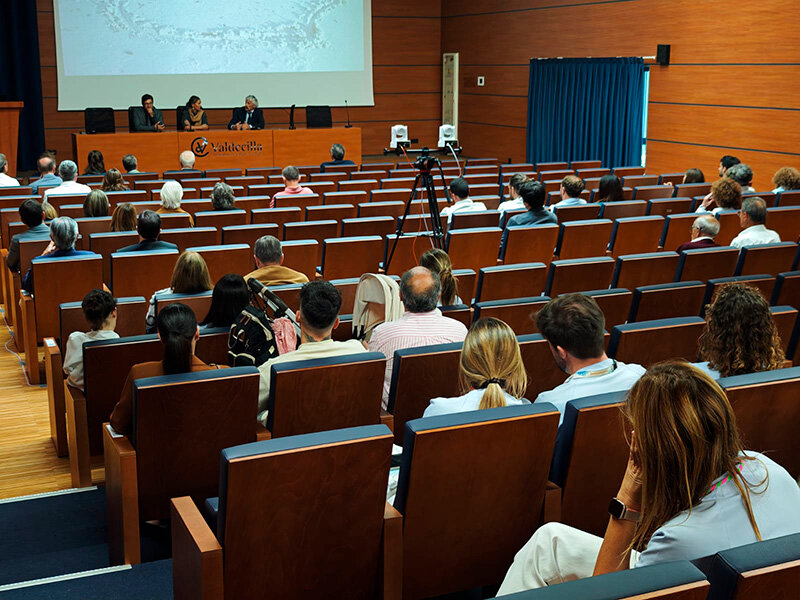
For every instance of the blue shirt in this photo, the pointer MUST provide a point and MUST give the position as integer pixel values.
(46, 180)
(541, 216)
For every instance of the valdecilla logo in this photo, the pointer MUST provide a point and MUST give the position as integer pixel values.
(199, 146)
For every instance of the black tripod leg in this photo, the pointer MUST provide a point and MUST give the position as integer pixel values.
(399, 231)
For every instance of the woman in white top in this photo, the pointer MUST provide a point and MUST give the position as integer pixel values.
(100, 309)
(491, 371)
(725, 194)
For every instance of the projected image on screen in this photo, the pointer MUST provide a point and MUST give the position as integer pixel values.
(132, 37)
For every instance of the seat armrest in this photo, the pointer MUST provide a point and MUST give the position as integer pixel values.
(392, 554)
(196, 554)
(29, 343)
(80, 462)
(387, 419)
(551, 509)
(262, 433)
(122, 498)
(54, 375)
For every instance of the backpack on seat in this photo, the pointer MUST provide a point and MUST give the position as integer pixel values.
(252, 340)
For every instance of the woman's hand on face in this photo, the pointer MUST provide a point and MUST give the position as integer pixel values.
(630, 492)
(51, 247)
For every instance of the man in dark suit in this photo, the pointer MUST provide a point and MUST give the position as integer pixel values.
(30, 212)
(149, 228)
(704, 230)
(148, 117)
(337, 158)
(248, 116)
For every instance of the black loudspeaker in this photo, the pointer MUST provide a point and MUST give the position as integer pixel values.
(662, 54)
(99, 120)
(318, 116)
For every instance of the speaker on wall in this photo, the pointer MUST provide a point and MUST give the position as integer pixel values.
(662, 54)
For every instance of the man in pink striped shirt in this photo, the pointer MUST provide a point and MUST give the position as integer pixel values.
(421, 325)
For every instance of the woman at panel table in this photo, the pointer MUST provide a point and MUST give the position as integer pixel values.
(194, 117)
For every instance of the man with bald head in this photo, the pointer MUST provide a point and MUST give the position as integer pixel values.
(187, 159)
(704, 230)
(421, 325)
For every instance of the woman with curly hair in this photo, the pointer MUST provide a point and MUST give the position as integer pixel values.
(786, 179)
(740, 336)
(725, 194)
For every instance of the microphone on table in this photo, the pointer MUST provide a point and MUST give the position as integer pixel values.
(348, 114)
(291, 119)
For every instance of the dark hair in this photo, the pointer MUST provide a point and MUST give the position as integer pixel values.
(609, 189)
(337, 152)
(192, 100)
(30, 211)
(177, 326)
(533, 193)
(416, 298)
(727, 161)
(573, 185)
(145, 98)
(97, 305)
(694, 176)
(94, 163)
(320, 302)
(459, 187)
(228, 299)
(149, 224)
(438, 261)
(574, 322)
(516, 180)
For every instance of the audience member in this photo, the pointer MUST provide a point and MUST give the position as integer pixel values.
(190, 276)
(269, 264)
(694, 176)
(148, 225)
(688, 477)
(726, 162)
(291, 179)
(68, 171)
(704, 230)
(573, 324)
(318, 316)
(422, 323)
(96, 204)
(178, 331)
(533, 196)
(148, 117)
(228, 299)
(609, 189)
(95, 164)
(47, 169)
(248, 116)
(459, 190)
(739, 335)
(5, 179)
(100, 309)
(337, 158)
(786, 179)
(438, 261)
(63, 233)
(49, 211)
(194, 117)
(113, 182)
(752, 219)
(725, 194)
(571, 188)
(515, 202)
(491, 371)
(171, 196)
(743, 175)
(222, 197)
(130, 164)
(124, 217)
(31, 214)
(187, 160)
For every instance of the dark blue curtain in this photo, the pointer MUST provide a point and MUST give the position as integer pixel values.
(20, 76)
(586, 109)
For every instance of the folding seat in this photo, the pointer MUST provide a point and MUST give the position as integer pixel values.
(190, 236)
(57, 200)
(692, 189)
(467, 220)
(480, 178)
(174, 220)
(300, 200)
(632, 235)
(290, 294)
(115, 198)
(311, 230)
(764, 282)
(621, 209)
(355, 198)
(707, 263)
(148, 205)
(510, 281)
(73, 211)
(302, 255)
(649, 342)
(591, 172)
(199, 302)
(670, 206)
(671, 178)
(141, 273)
(249, 203)
(554, 166)
(634, 270)
(263, 171)
(246, 181)
(789, 198)
(505, 176)
(785, 220)
(554, 174)
(640, 180)
(216, 562)
(583, 239)
(366, 185)
(394, 183)
(729, 226)
(512, 168)
(626, 171)
(585, 164)
(390, 194)
(195, 206)
(227, 258)
(666, 300)
(490, 201)
(107, 243)
(350, 256)
(88, 226)
(473, 248)
(481, 161)
(182, 175)
(471, 532)
(278, 216)
(325, 212)
(766, 258)
(322, 187)
(248, 234)
(267, 189)
(148, 185)
(332, 175)
(22, 190)
(787, 289)
(582, 212)
(578, 274)
(615, 304)
(376, 174)
(649, 192)
(769, 198)
(382, 225)
(677, 230)
(205, 192)
(410, 246)
(480, 168)
(786, 322)
(220, 219)
(377, 166)
(132, 177)
(379, 209)
(517, 313)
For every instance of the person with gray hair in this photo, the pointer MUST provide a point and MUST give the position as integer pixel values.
(187, 160)
(743, 175)
(421, 325)
(171, 196)
(704, 230)
(130, 164)
(248, 116)
(268, 255)
(291, 179)
(222, 197)
(63, 233)
(5, 179)
(68, 171)
(752, 218)
(337, 158)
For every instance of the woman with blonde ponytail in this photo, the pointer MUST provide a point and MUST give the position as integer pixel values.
(437, 261)
(491, 371)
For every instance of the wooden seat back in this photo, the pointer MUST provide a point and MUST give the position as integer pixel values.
(248, 234)
(669, 206)
(131, 314)
(311, 230)
(321, 187)
(175, 220)
(649, 192)
(30, 249)
(615, 303)
(580, 164)
(220, 219)
(354, 197)
(302, 255)
(351, 256)
(474, 248)
(764, 283)
(106, 244)
(649, 342)
(467, 220)
(379, 209)
(88, 226)
(625, 171)
(766, 258)
(787, 289)
(336, 212)
(677, 230)
(302, 201)
(381, 226)
(663, 301)
(526, 243)
(707, 263)
(185, 237)
(632, 235)
(580, 212)
(578, 274)
(582, 239)
(141, 273)
(410, 246)
(199, 303)
(622, 209)
(517, 313)
(640, 180)
(277, 216)
(635, 270)
(511, 281)
(224, 259)
(729, 226)
(364, 185)
(543, 374)
(692, 189)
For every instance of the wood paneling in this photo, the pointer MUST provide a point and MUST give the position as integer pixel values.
(497, 141)
(494, 109)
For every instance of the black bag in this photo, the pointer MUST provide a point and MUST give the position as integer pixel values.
(251, 341)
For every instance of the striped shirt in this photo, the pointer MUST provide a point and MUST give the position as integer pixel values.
(411, 331)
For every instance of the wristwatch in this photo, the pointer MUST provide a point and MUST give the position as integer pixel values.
(618, 510)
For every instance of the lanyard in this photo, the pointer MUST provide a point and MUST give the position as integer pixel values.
(599, 373)
(723, 481)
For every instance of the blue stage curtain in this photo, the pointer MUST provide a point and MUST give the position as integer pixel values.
(586, 109)
(20, 76)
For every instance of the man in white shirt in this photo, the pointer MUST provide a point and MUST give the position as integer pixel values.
(421, 325)
(573, 324)
(318, 316)
(752, 217)
(516, 203)
(571, 188)
(68, 171)
(5, 179)
(459, 190)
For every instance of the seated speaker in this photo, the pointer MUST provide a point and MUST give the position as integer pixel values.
(99, 120)
(318, 117)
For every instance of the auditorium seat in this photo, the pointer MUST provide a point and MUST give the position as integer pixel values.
(278, 216)
(766, 258)
(786, 323)
(395, 183)
(649, 192)
(382, 225)
(182, 174)
(302, 255)
(787, 289)
(667, 300)
(290, 294)
(578, 274)
(263, 171)
(195, 206)
(380, 166)
(670, 206)
(510, 281)
(439, 513)
(355, 198)
(517, 313)
(615, 303)
(190, 236)
(579, 212)
(332, 176)
(671, 178)
(173, 220)
(363, 175)
(141, 273)
(706, 263)
(525, 243)
(591, 172)
(248, 234)
(115, 198)
(553, 174)
(633, 235)
(268, 189)
(322, 187)
(626, 171)
(623, 208)
(57, 201)
(245, 181)
(248, 203)
(365, 185)
(648, 342)
(311, 230)
(583, 239)
(634, 270)
(788, 198)
(467, 220)
(764, 282)
(350, 256)
(729, 226)
(300, 200)
(21, 190)
(220, 219)
(73, 211)
(106, 244)
(88, 226)
(228, 258)
(473, 248)
(325, 212)
(677, 230)
(633, 181)
(180, 425)
(390, 194)
(199, 302)
(378, 209)
(692, 189)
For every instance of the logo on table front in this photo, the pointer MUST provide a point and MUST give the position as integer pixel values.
(199, 146)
